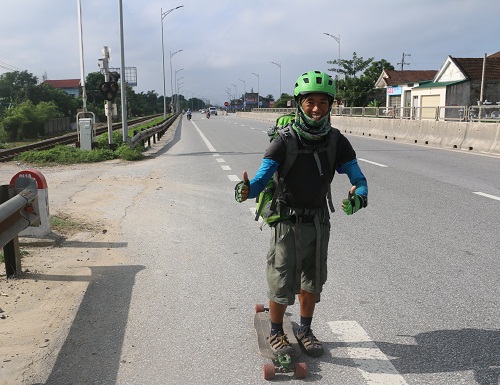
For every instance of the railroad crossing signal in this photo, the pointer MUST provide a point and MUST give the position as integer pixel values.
(109, 90)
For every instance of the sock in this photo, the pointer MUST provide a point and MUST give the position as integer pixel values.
(305, 323)
(276, 327)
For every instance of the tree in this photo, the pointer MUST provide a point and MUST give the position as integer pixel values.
(17, 86)
(26, 120)
(350, 68)
(282, 102)
(358, 90)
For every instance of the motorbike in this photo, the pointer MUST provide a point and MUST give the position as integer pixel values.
(188, 115)
(208, 115)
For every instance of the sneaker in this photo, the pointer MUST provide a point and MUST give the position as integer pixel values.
(279, 344)
(310, 343)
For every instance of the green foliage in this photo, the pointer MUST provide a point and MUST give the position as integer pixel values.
(66, 155)
(26, 120)
(127, 153)
(103, 139)
(358, 90)
(282, 102)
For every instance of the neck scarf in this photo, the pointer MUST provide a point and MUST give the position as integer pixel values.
(308, 128)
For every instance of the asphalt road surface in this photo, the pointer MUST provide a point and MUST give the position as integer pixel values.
(412, 295)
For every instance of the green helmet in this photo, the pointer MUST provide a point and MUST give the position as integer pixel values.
(314, 82)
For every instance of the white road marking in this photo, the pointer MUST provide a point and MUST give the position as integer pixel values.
(487, 195)
(376, 164)
(220, 160)
(234, 178)
(209, 145)
(216, 154)
(374, 365)
(225, 168)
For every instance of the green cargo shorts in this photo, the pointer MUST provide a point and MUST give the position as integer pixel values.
(281, 261)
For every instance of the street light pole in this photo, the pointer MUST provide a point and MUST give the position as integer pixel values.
(337, 39)
(278, 65)
(177, 96)
(235, 93)
(244, 93)
(82, 67)
(163, 14)
(258, 88)
(171, 81)
(123, 89)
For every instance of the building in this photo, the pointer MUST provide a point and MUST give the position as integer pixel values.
(461, 82)
(70, 86)
(399, 85)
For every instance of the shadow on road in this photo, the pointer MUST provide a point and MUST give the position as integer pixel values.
(91, 352)
(442, 351)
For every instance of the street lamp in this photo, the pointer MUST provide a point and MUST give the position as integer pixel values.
(177, 97)
(278, 65)
(178, 92)
(244, 93)
(235, 93)
(163, 14)
(258, 87)
(171, 83)
(337, 39)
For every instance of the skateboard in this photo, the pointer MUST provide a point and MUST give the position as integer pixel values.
(280, 363)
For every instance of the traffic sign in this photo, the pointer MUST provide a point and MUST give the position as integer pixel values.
(226, 104)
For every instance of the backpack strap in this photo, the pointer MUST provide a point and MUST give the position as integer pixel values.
(288, 136)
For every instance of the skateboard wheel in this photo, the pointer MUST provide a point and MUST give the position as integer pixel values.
(300, 370)
(269, 371)
(259, 308)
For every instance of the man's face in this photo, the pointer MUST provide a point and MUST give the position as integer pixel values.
(315, 105)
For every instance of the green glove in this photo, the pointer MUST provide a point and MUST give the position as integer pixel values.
(238, 188)
(354, 203)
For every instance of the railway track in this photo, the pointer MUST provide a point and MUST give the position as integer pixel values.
(68, 139)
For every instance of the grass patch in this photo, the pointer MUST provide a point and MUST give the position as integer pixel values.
(66, 226)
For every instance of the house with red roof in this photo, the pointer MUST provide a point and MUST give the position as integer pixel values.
(462, 82)
(70, 86)
(399, 85)
(459, 82)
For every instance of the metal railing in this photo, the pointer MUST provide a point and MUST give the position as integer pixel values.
(154, 133)
(480, 113)
(18, 210)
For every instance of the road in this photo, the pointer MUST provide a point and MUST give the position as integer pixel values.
(412, 295)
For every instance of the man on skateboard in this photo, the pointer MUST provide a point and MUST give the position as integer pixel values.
(297, 258)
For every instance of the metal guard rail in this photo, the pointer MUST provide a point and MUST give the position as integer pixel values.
(159, 130)
(16, 214)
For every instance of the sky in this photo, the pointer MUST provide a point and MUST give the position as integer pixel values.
(228, 46)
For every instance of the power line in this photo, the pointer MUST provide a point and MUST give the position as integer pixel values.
(402, 63)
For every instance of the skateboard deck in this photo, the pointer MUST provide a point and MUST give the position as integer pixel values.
(281, 363)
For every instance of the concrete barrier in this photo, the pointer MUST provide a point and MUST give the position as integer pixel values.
(468, 136)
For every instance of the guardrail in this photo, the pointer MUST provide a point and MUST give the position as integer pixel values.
(480, 113)
(154, 133)
(18, 210)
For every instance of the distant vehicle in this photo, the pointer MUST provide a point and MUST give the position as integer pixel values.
(213, 110)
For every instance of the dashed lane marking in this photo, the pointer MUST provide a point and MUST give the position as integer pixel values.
(225, 168)
(487, 195)
(374, 365)
(376, 164)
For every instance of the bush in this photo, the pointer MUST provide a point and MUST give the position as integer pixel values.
(103, 142)
(127, 153)
(67, 155)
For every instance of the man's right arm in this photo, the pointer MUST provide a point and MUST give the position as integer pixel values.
(265, 172)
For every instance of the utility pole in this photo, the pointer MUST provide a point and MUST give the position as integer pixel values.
(402, 64)
(104, 64)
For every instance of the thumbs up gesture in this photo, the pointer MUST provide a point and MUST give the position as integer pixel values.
(242, 188)
(353, 202)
